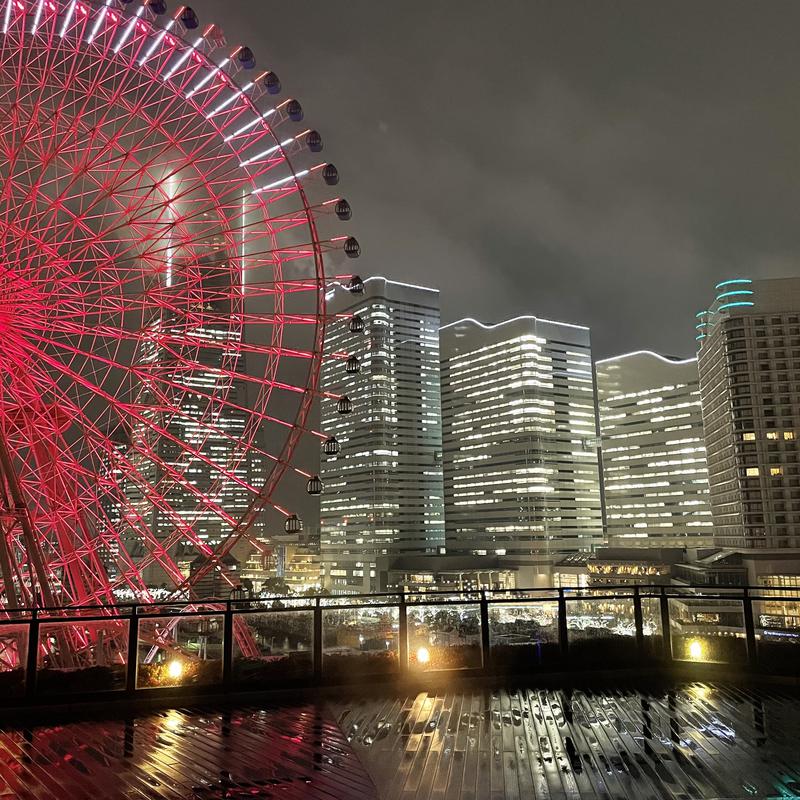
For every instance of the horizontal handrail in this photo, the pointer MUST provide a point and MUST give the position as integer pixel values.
(617, 591)
(481, 628)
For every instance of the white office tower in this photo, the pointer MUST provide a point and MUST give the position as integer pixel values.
(749, 360)
(655, 478)
(519, 426)
(383, 491)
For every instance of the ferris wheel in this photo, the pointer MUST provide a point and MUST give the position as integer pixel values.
(164, 222)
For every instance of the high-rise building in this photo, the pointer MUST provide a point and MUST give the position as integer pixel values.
(519, 424)
(655, 479)
(202, 434)
(749, 359)
(383, 491)
(111, 478)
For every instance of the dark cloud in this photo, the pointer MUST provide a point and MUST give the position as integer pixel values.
(596, 162)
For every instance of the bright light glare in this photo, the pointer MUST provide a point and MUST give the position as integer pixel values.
(696, 650)
(175, 670)
(7, 18)
(281, 182)
(67, 19)
(156, 43)
(208, 77)
(423, 656)
(38, 16)
(128, 30)
(184, 58)
(99, 21)
(174, 720)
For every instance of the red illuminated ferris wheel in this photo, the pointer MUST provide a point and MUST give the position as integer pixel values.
(164, 217)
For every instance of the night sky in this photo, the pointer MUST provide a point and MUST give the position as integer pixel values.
(595, 162)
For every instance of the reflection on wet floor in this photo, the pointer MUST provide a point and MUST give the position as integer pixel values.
(697, 741)
(296, 753)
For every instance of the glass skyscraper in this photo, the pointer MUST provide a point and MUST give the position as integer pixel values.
(749, 360)
(655, 478)
(210, 417)
(383, 491)
(521, 467)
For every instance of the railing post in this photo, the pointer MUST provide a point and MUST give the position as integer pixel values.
(133, 651)
(317, 650)
(485, 643)
(32, 655)
(638, 621)
(227, 645)
(666, 631)
(402, 634)
(749, 628)
(563, 637)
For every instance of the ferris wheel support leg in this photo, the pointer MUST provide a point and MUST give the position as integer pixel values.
(20, 511)
(9, 586)
(7, 523)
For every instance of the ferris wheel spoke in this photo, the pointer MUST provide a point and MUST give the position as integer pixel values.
(65, 525)
(158, 549)
(194, 452)
(144, 376)
(303, 252)
(190, 340)
(165, 281)
(124, 130)
(37, 87)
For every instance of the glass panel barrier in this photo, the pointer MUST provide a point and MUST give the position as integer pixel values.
(179, 651)
(348, 600)
(13, 657)
(360, 641)
(272, 645)
(707, 630)
(76, 656)
(652, 629)
(523, 635)
(776, 619)
(444, 637)
(601, 631)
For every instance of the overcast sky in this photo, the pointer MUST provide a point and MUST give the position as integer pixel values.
(595, 162)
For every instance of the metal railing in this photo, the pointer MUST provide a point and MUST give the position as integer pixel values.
(50, 655)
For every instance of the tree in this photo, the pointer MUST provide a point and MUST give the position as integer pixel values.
(273, 586)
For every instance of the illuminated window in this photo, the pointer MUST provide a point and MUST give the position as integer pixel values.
(752, 472)
(772, 434)
(788, 435)
(749, 437)
(776, 470)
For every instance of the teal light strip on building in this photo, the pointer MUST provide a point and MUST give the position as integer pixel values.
(733, 305)
(731, 281)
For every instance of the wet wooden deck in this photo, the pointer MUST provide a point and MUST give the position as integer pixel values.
(698, 741)
(296, 753)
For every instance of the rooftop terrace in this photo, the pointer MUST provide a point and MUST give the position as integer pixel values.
(437, 695)
(217, 647)
(691, 740)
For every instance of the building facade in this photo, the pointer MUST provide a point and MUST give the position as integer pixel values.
(421, 574)
(193, 462)
(383, 491)
(521, 469)
(749, 360)
(655, 479)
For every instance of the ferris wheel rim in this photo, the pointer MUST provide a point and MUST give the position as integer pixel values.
(37, 13)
